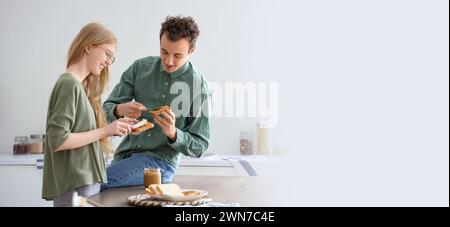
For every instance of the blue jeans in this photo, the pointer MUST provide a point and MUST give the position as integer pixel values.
(130, 171)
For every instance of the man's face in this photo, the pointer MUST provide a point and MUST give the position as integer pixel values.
(174, 54)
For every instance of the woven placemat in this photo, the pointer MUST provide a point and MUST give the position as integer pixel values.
(147, 201)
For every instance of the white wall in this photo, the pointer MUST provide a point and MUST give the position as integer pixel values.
(364, 85)
(36, 35)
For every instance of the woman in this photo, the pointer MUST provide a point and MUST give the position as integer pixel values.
(77, 131)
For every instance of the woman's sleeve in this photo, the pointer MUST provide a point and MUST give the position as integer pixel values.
(62, 114)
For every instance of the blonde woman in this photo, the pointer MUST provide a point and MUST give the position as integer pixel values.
(77, 130)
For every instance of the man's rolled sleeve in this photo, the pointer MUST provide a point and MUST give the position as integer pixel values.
(193, 140)
(123, 92)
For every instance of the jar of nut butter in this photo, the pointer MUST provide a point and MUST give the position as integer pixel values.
(36, 144)
(152, 176)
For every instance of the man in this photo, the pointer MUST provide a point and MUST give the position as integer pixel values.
(151, 82)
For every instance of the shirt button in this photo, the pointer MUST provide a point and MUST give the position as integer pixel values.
(138, 146)
(163, 96)
(149, 135)
(167, 83)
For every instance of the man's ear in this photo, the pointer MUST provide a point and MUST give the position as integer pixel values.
(193, 49)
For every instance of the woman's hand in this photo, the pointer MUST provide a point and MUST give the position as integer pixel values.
(120, 127)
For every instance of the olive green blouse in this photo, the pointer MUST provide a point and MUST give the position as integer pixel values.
(69, 111)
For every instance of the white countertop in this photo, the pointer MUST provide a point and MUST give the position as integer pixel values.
(31, 159)
(207, 160)
(28, 159)
(246, 165)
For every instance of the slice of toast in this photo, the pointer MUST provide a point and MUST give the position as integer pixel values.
(164, 189)
(159, 110)
(191, 193)
(170, 189)
(140, 127)
(152, 190)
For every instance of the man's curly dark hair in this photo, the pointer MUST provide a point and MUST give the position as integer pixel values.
(180, 27)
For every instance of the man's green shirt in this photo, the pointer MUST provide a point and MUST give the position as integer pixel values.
(187, 93)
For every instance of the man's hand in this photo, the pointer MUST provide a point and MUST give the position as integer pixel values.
(166, 120)
(131, 109)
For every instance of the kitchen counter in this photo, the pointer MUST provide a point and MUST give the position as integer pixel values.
(30, 159)
(247, 191)
(7, 159)
(225, 176)
(244, 165)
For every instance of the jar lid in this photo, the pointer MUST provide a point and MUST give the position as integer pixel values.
(151, 170)
(37, 136)
(246, 134)
(263, 124)
(21, 138)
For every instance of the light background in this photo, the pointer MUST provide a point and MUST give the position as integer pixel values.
(364, 85)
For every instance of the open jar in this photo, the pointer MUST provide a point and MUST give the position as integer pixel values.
(20, 145)
(151, 176)
(246, 143)
(36, 144)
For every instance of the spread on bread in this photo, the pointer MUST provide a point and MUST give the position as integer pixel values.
(159, 110)
(191, 193)
(141, 126)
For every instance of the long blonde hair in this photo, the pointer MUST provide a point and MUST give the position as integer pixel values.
(90, 35)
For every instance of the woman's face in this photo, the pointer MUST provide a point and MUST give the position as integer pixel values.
(100, 57)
